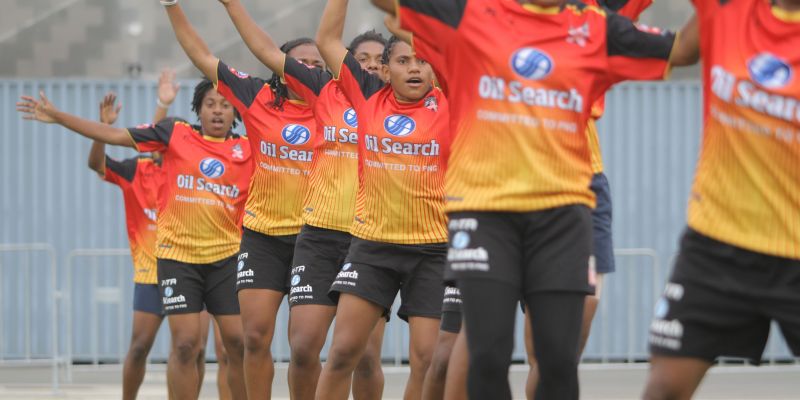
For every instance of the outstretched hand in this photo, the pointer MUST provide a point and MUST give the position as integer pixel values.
(37, 110)
(167, 88)
(109, 111)
(393, 25)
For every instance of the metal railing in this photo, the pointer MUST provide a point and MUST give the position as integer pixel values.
(54, 295)
(99, 295)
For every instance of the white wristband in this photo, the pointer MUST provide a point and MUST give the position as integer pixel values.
(168, 3)
(160, 104)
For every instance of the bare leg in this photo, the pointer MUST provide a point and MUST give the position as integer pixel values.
(182, 365)
(230, 328)
(308, 329)
(145, 328)
(423, 332)
(433, 387)
(259, 308)
(201, 356)
(223, 389)
(355, 320)
(458, 368)
(368, 378)
(674, 378)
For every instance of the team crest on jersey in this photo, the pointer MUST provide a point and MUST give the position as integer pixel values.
(399, 125)
(240, 74)
(296, 134)
(350, 117)
(579, 35)
(150, 213)
(769, 71)
(432, 104)
(236, 152)
(531, 63)
(212, 168)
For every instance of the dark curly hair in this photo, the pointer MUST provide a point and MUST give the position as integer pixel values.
(279, 88)
(200, 91)
(368, 36)
(387, 51)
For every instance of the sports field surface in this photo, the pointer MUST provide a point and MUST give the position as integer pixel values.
(618, 382)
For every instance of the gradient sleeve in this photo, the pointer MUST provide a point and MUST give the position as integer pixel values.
(636, 53)
(433, 21)
(238, 87)
(122, 172)
(304, 80)
(357, 84)
(154, 137)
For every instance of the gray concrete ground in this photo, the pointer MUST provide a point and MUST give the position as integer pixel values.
(601, 382)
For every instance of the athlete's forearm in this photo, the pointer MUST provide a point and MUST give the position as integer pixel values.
(259, 42)
(686, 50)
(192, 43)
(329, 35)
(94, 130)
(387, 6)
(97, 157)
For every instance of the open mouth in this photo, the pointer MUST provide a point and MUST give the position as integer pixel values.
(217, 122)
(414, 82)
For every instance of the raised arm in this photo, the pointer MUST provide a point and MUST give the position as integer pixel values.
(43, 111)
(108, 115)
(259, 42)
(167, 91)
(686, 50)
(192, 43)
(393, 25)
(387, 6)
(329, 35)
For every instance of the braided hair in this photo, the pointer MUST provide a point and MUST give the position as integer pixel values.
(279, 88)
(368, 36)
(203, 87)
(387, 51)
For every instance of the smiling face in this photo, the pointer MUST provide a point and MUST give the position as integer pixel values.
(409, 76)
(216, 114)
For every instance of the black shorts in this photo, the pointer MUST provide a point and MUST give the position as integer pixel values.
(318, 256)
(601, 225)
(451, 310)
(264, 261)
(147, 298)
(721, 299)
(375, 271)
(547, 250)
(186, 288)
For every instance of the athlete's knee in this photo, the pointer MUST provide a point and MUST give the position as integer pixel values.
(422, 360)
(138, 351)
(344, 355)
(558, 366)
(488, 362)
(255, 341)
(438, 367)
(185, 350)
(304, 351)
(234, 347)
(660, 387)
(369, 365)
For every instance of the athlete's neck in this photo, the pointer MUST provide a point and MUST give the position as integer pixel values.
(788, 5)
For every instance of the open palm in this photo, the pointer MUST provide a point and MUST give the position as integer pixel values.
(37, 110)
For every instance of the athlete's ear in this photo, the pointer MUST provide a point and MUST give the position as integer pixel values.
(385, 76)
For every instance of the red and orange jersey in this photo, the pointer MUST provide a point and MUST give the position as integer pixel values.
(403, 149)
(331, 197)
(630, 9)
(747, 187)
(201, 202)
(520, 102)
(283, 140)
(140, 180)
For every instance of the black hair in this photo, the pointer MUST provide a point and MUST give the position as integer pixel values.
(200, 91)
(387, 51)
(279, 88)
(368, 36)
